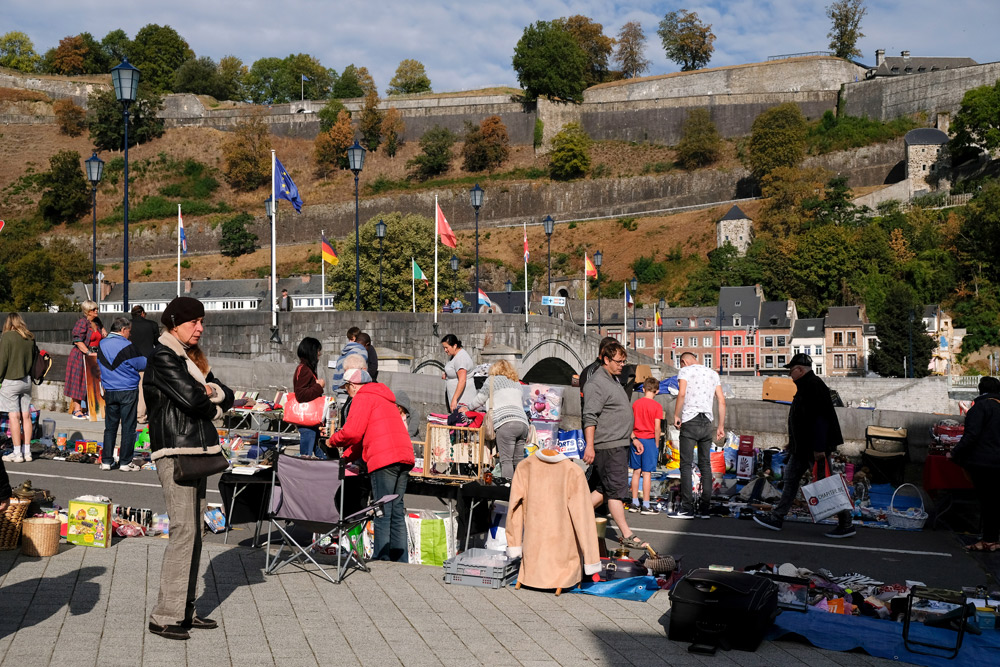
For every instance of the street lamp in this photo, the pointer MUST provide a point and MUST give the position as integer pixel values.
(634, 284)
(549, 228)
(476, 199)
(598, 260)
(95, 169)
(356, 162)
(509, 286)
(910, 331)
(125, 79)
(453, 262)
(380, 233)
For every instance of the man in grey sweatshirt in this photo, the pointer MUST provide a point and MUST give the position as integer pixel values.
(607, 429)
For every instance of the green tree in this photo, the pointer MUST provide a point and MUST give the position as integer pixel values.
(107, 129)
(978, 312)
(279, 80)
(348, 85)
(590, 37)
(232, 76)
(116, 46)
(570, 156)
(899, 324)
(393, 128)
(330, 147)
(370, 122)
(724, 268)
(486, 147)
(267, 82)
(246, 155)
(700, 142)
(236, 239)
(835, 206)
(158, 51)
(435, 154)
(686, 40)
(784, 189)
(34, 277)
(977, 123)
(777, 139)
(199, 76)
(329, 114)
(630, 54)
(410, 77)
(66, 195)
(845, 29)
(548, 61)
(18, 52)
(95, 60)
(824, 260)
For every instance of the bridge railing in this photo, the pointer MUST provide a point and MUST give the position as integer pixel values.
(970, 381)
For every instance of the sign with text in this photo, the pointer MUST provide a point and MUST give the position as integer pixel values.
(553, 301)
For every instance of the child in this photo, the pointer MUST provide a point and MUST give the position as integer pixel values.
(648, 415)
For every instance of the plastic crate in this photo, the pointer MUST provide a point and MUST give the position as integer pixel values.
(459, 570)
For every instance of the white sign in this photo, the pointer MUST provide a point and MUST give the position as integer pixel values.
(553, 301)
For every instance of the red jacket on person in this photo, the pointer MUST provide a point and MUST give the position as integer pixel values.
(374, 430)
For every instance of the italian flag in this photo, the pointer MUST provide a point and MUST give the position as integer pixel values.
(418, 274)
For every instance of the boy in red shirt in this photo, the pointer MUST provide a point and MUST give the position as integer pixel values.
(648, 415)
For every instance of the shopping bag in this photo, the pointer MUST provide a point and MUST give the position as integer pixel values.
(303, 414)
(430, 536)
(496, 536)
(572, 443)
(827, 496)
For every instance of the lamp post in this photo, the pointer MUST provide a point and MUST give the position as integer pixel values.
(125, 79)
(356, 162)
(380, 233)
(509, 287)
(476, 199)
(95, 169)
(910, 331)
(598, 260)
(550, 225)
(662, 307)
(722, 314)
(634, 284)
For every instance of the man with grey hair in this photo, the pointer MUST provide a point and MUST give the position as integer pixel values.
(121, 363)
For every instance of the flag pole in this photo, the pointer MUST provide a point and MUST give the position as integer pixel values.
(274, 256)
(435, 261)
(625, 317)
(525, 278)
(178, 250)
(584, 296)
(322, 266)
(413, 284)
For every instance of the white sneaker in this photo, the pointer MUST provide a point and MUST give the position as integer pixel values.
(131, 467)
(13, 458)
(27, 458)
(105, 466)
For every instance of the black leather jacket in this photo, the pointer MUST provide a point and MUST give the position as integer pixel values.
(180, 412)
(813, 426)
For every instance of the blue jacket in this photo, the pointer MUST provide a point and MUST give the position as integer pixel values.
(120, 363)
(352, 347)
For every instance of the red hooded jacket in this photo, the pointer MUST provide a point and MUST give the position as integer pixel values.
(374, 430)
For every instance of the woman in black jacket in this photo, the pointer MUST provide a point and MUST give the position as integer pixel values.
(979, 453)
(182, 399)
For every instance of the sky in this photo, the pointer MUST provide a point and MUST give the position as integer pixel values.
(468, 44)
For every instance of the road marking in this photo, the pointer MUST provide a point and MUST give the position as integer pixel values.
(91, 479)
(825, 545)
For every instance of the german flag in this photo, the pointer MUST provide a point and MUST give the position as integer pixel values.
(329, 254)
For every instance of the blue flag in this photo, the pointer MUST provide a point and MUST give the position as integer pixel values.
(305, 78)
(284, 186)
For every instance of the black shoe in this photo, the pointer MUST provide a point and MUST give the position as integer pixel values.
(702, 511)
(768, 521)
(169, 631)
(198, 623)
(681, 514)
(841, 532)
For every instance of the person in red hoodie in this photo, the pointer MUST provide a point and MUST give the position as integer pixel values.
(375, 433)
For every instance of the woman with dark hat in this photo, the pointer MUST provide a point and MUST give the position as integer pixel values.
(182, 400)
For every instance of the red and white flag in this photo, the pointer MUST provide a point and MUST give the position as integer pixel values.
(444, 230)
(526, 253)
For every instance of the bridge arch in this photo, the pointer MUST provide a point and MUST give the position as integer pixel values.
(551, 357)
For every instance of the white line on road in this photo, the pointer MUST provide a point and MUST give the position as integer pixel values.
(824, 545)
(90, 479)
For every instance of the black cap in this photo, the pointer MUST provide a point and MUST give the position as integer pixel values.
(800, 359)
(180, 310)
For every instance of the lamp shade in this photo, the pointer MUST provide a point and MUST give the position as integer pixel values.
(598, 259)
(476, 196)
(509, 286)
(454, 263)
(356, 157)
(663, 305)
(549, 225)
(380, 228)
(95, 169)
(634, 284)
(269, 207)
(125, 79)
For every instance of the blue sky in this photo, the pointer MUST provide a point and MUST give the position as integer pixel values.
(468, 44)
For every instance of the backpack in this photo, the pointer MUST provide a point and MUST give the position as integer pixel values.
(41, 362)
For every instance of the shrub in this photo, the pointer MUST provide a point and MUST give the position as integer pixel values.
(648, 271)
(72, 120)
(832, 133)
(600, 171)
(657, 167)
(246, 155)
(66, 197)
(435, 157)
(539, 132)
(700, 142)
(570, 156)
(185, 264)
(487, 147)
(236, 239)
(777, 139)
(629, 224)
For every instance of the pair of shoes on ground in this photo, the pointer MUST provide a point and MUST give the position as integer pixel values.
(181, 631)
(772, 522)
(648, 510)
(131, 467)
(17, 457)
(701, 511)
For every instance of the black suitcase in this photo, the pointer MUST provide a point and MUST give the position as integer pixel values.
(722, 609)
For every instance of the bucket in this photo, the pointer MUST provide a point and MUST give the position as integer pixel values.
(718, 463)
(40, 536)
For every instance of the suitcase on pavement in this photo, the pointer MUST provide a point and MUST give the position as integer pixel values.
(728, 610)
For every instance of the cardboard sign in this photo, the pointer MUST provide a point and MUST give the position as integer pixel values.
(89, 524)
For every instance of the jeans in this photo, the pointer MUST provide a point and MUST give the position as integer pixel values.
(308, 437)
(696, 432)
(390, 528)
(794, 469)
(511, 438)
(119, 407)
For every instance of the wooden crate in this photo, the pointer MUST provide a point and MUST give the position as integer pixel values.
(455, 453)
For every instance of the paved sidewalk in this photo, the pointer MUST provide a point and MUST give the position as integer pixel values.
(89, 606)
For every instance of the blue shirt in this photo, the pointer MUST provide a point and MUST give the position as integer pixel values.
(120, 363)
(456, 306)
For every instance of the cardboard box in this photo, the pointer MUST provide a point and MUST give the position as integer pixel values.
(89, 523)
(779, 389)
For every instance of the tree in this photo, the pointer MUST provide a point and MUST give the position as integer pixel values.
(236, 239)
(330, 113)
(392, 130)
(977, 123)
(330, 147)
(845, 31)
(279, 80)
(777, 139)
(784, 189)
(34, 277)
(199, 76)
(700, 142)
(232, 78)
(435, 155)
(486, 147)
(18, 52)
(548, 61)
(117, 46)
(591, 39)
(95, 60)
(72, 120)
(348, 86)
(69, 55)
(979, 235)
(410, 77)
(370, 122)
(158, 51)
(570, 156)
(246, 155)
(630, 54)
(835, 206)
(66, 196)
(899, 324)
(686, 40)
(107, 129)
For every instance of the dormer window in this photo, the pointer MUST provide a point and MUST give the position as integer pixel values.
(736, 320)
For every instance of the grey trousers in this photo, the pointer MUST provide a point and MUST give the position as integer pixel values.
(186, 507)
(511, 438)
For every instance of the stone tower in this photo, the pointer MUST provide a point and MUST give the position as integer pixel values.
(736, 228)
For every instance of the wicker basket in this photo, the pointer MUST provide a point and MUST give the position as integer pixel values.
(40, 536)
(899, 519)
(10, 523)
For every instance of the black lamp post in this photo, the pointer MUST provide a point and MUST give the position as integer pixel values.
(634, 284)
(95, 169)
(453, 263)
(598, 260)
(380, 233)
(125, 79)
(509, 286)
(476, 199)
(909, 368)
(549, 228)
(722, 315)
(356, 162)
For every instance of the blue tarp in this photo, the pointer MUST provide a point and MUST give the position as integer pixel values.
(638, 589)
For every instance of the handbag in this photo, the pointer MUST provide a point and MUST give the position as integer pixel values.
(303, 414)
(191, 467)
(489, 431)
(827, 496)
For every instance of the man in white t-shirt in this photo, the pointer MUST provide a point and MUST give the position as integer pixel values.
(698, 388)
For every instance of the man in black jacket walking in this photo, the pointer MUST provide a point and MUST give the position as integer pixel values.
(145, 336)
(813, 434)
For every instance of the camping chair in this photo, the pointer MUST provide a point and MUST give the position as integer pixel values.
(304, 495)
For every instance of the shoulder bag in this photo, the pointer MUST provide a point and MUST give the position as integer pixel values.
(303, 414)
(191, 467)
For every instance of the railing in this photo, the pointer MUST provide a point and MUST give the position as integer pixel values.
(784, 56)
(971, 381)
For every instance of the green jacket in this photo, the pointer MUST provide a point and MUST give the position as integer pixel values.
(15, 356)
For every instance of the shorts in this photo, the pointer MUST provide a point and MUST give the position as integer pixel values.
(609, 473)
(648, 459)
(15, 395)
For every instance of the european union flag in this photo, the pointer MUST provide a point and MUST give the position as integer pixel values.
(284, 186)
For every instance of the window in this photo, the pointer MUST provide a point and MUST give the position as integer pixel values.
(737, 361)
(819, 369)
(806, 349)
(795, 350)
(708, 360)
(751, 361)
(750, 339)
(692, 322)
(640, 342)
(768, 341)
(725, 361)
(819, 350)
(769, 361)
(737, 319)
(737, 341)
(852, 338)
(838, 361)
(723, 340)
(678, 342)
(706, 341)
(781, 361)
(782, 341)
(838, 338)
(693, 341)
(852, 361)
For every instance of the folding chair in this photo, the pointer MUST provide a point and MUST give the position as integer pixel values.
(304, 495)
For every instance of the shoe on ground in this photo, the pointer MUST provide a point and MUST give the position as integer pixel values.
(681, 514)
(649, 511)
(169, 631)
(13, 458)
(633, 508)
(131, 467)
(27, 458)
(841, 532)
(768, 521)
(198, 623)
(703, 511)
(107, 466)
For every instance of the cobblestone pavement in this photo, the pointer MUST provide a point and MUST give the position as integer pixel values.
(88, 606)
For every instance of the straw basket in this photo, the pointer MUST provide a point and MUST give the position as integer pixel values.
(10, 523)
(899, 519)
(40, 536)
